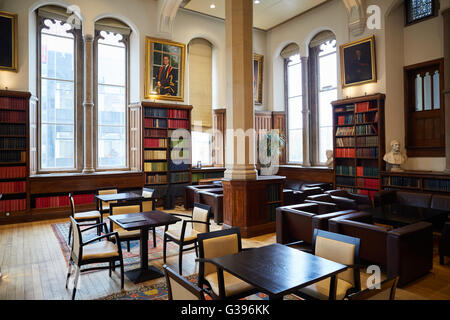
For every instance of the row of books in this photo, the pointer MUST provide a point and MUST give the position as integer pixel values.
(401, 182)
(155, 143)
(13, 187)
(175, 113)
(347, 108)
(207, 175)
(12, 156)
(273, 192)
(367, 153)
(366, 117)
(371, 141)
(345, 153)
(345, 131)
(370, 193)
(366, 129)
(437, 185)
(155, 155)
(63, 201)
(155, 123)
(13, 143)
(154, 133)
(345, 142)
(13, 103)
(157, 179)
(364, 107)
(368, 183)
(13, 172)
(345, 181)
(367, 171)
(13, 116)
(179, 124)
(13, 130)
(179, 177)
(345, 120)
(154, 112)
(13, 205)
(155, 166)
(345, 170)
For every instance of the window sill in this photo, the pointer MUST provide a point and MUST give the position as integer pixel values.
(292, 166)
(80, 174)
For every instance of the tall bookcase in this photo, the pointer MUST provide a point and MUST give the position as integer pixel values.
(14, 152)
(359, 143)
(166, 155)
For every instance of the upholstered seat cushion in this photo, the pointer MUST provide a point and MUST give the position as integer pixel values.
(99, 250)
(233, 285)
(124, 234)
(90, 215)
(189, 234)
(320, 290)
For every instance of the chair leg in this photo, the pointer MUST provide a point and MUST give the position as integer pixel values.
(122, 272)
(70, 233)
(128, 245)
(99, 228)
(180, 260)
(154, 237)
(69, 271)
(110, 269)
(164, 248)
(196, 250)
(75, 283)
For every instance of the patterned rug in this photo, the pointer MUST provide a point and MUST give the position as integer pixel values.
(61, 231)
(158, 291)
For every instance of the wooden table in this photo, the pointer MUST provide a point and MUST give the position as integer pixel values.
(278, 270)
(123, 196)
(146, 221)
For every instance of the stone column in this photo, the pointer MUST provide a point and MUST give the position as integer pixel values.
(240, 146)
(446, 15)
(306, 112)
(88, 105)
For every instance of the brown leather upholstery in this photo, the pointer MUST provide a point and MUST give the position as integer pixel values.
(440, 202)
(189, 192)
(414, 199)
(405, 252)
(214, 199)
(297, 222)
(342, 203)
(362, 201)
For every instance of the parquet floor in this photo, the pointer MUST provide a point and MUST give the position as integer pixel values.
(33, 268)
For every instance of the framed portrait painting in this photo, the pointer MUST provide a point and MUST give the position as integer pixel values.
(358, 62)
(164, 69)
(258, 61)
(8, 41)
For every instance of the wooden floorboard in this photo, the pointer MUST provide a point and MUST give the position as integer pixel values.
(34, 268)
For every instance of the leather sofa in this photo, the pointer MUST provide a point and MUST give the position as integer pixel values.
(297, 222)
(406, 252)
(189, 192)
(295, 191)
(214, 199)
(340, 202)
(362, 201)
(298, 185)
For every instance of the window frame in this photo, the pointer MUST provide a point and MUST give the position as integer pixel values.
(78, 90)
(435, 4)
(126, 42)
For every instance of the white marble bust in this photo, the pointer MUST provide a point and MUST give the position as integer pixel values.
(330, 158)
(395, 157)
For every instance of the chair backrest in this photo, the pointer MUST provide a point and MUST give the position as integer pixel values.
(147, 205)
(179, 288)
(72, 204)
(107, 191)
(385, 292)
(201, 212)
(126, 207)
(341, 249)
(76, 242)
(217, 244)
(147, 192)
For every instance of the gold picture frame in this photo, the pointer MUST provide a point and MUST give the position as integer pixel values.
(8, 41)
(258, 62)
(358, 62)
(164, 83)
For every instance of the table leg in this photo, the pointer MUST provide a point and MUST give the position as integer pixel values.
(333, 288)
(144, 273)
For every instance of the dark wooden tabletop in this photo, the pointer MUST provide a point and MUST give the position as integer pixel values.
(278, 270)
(119, 196)
(150, 219)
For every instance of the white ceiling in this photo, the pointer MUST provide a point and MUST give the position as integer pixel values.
(267, 14)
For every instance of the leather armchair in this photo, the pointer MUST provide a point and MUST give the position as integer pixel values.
(189, 192)
(342, 203)
(406, 252)
(414, 199)
(362, 201)
(297, 222)
(444, 243)
(214, 199)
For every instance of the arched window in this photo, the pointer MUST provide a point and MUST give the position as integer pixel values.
(111, 51)
(294, 103)
(59, 45)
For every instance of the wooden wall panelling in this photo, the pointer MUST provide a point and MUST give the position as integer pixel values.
(263, 124)
(279, 123)
(219, 129)
(307, 174)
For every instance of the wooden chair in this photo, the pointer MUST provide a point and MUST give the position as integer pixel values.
(103, 206)
(90, 216)
(341, 249)
(221, 284)
(200, 224)
(93, 251)
(385, 292)
(179, 288)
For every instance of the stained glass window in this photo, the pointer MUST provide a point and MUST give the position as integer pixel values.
(417, 10)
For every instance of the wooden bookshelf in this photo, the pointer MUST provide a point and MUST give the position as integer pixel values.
(14, 153)
(163, 152)
(420, 181)
(359, 143)
(206, 173)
